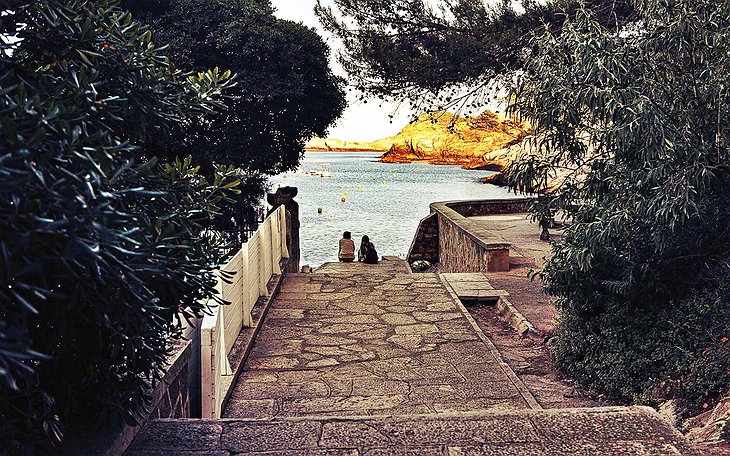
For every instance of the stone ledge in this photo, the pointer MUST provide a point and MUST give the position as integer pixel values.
(514, 317)
(609, 430)
(488, 241)
(474, 208)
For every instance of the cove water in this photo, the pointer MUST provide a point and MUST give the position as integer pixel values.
(382, 200)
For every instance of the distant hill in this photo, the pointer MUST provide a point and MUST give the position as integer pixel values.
(481, 142)
(339, 145)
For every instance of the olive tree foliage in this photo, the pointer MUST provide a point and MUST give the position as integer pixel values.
(445, 54)
(635, 127)
(104, 252)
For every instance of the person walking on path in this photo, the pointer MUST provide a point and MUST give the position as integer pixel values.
(367, 252)
(347, 248)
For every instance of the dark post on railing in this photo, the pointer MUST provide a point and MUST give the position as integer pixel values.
(284, 196)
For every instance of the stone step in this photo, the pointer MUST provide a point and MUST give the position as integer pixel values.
(595, 431)
(473, 287)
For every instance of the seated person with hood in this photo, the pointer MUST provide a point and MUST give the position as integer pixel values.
(367, 252)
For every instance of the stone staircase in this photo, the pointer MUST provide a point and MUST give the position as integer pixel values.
(604, 431)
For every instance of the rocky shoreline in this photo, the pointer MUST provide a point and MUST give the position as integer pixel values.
(442, 138)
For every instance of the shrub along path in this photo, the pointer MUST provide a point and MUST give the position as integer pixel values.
(357, 360)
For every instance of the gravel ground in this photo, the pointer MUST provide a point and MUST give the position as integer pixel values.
(529, 357)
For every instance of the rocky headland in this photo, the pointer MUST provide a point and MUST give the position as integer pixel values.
(441, 138)
(487, 141)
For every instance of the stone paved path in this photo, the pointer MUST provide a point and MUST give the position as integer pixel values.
(376, 361)
(362, 344)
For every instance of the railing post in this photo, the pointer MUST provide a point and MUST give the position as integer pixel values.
(207, 371)
(282, 230)
(284, 196)
(246, 306)
(264, 245)
(275, 244)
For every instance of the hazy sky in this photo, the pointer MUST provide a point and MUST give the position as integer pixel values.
(361, 121)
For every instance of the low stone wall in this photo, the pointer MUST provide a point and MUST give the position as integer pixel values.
(175, 397)
(489, 207)
(425, 245)
(462, 251)
(464, 245)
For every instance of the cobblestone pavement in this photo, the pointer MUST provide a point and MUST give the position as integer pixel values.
(370, 343)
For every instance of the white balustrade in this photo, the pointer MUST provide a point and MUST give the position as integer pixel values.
(254, 266)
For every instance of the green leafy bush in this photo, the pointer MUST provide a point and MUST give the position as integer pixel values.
(631, 134)
(649, 354)
(104, 253)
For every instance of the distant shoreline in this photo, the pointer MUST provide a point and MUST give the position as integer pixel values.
(317, 149)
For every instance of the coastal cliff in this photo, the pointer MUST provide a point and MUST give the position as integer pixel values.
(481, 142)
(488, 141)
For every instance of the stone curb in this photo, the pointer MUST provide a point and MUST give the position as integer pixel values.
(507, 311)
(514, 379)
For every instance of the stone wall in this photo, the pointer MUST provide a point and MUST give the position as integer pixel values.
(425, 245)
(461, 244)
(174, 398)
(489, 207)
(460, 251)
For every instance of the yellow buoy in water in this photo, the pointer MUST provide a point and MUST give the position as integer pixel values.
(319, 210)
(385, 181)
(347, 193)
(359, 187)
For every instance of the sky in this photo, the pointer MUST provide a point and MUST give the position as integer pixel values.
(360, 121)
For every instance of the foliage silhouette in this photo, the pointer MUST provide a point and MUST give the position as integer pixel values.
(103, 255)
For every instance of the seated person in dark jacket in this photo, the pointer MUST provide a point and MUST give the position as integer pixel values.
(367, 252)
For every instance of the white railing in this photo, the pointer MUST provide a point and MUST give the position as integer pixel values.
(254, 265)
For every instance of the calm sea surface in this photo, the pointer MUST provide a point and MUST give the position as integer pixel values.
(383, 200)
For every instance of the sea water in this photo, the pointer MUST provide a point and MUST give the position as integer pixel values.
(382, 200)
